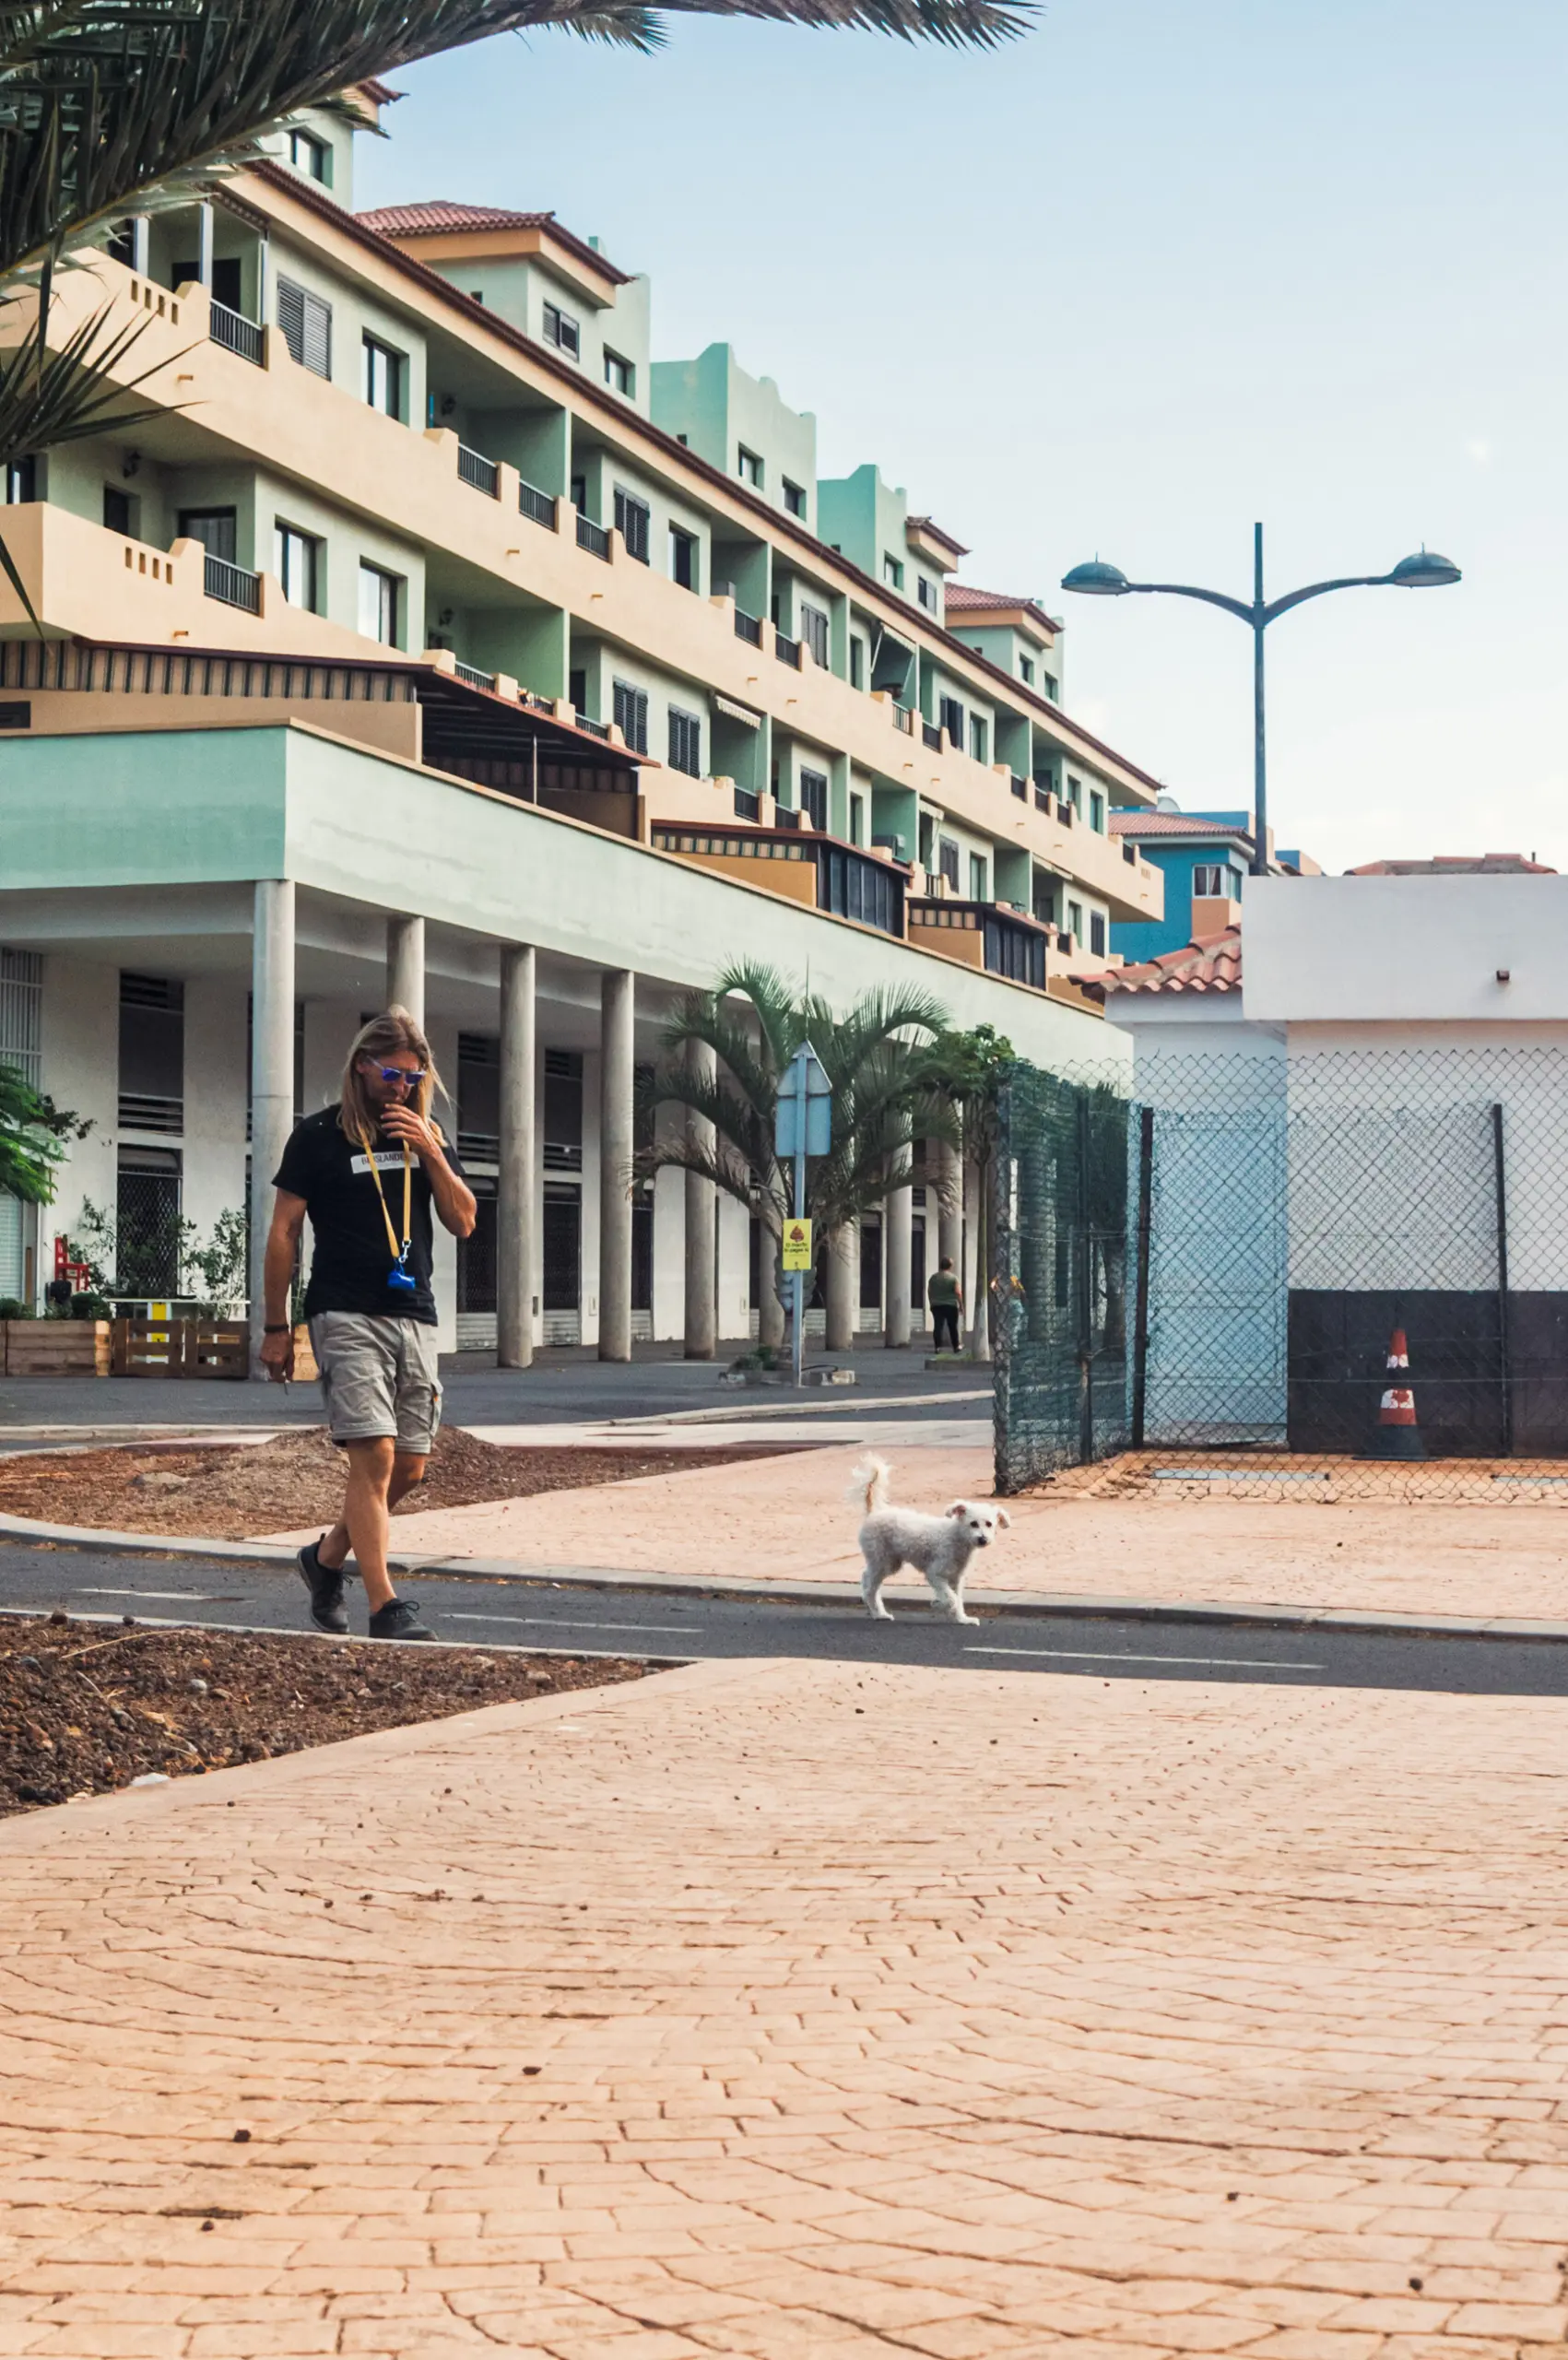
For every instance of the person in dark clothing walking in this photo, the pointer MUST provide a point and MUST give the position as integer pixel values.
(367, 1173)
(946, 1298)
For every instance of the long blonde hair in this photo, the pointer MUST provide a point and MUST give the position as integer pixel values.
(396, 1033)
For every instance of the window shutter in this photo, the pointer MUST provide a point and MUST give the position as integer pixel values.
(641, 710)
(306, 323)
(291, 318)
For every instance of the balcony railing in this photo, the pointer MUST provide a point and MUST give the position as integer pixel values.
(1019, 787)
(903, 718)
(1129, 854)
(746, 805)
(1064, 811)
(787, 650)
(233, 583)
(1042, 797)
(593, 728)
(748, 627)
(475, 677)
(932, 735)
(593, 537)
(475, 468)
(850, 883)
(536, 504)
(236, 334)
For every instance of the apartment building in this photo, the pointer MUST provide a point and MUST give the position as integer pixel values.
(1204, 859)
(429, 634)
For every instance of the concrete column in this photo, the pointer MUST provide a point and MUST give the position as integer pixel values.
(263, 279)
(141, 244)
(898, 1244)
(616, 1078)
(980, 1251)
(517, 1188)
(204, 245)
(842, 1287)
(701, 1307)
(405, 965)
(272, 1071)
(769, 1309)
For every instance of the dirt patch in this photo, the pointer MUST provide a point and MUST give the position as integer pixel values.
(84, 1710)
(297, 1479)
(1307, 1479)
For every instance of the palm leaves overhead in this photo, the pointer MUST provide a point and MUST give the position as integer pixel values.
(101, 100)
(884, 1094)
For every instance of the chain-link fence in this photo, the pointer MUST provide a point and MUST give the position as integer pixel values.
(1322, 1272)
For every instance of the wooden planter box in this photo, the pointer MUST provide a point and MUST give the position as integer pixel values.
(55, 1347)
(181, 1348)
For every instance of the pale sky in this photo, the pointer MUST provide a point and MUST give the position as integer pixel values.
(1119, 288)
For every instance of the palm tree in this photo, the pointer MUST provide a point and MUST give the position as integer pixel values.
(967, 1070)
(752, 1022)
(112, 107)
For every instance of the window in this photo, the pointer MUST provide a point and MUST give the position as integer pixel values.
(1075, 793)
(631, 519)
(1044, 900)
(749, 467)
(224, 284)
(947, 861)
(117, 509)
(152, 1053)
(620, 375)
(814, 797)
(213, 527)
(306, 323)
(979, 734)
(683, 558)
(926, 591)
(814, 631)
(857, 819)
(380, 604)
(311, 156)
(685, 740)
(385, 377)
(892, 571)
(1215, 881)
(977, 878)
(1026, 670)
(1052, 687)
(1096, 934)
(21, 482)
(1075, 920)
(794, 498)
(297, 563)
(631, 715)
(562, 331)
(857, 663)
(146, 1221)
(580, 494)
(1097, 810)
(577, 691)
(950, 716)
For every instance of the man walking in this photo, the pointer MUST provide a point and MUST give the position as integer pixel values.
(367, 1173)
(945, 1299)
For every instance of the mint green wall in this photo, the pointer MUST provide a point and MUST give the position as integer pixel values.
(866, 518)
(717, 407)
(153, 808)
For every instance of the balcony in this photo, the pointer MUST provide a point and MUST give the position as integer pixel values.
(787, 650)
(475, 677)
(746, 805)
(746, 627)
(1019, 787)
(236, 334)
(482, 472)
(593, 728)
(538, 506)
(233, 583)
(931, 736)
(903, 718)
(593, 537)
(983, 935)
(815, 870)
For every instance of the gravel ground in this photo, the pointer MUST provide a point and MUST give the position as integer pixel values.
(295, 1480)
(83, 1709)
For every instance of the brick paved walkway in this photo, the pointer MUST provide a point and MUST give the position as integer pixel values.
(789, 1519)
(798, 2011)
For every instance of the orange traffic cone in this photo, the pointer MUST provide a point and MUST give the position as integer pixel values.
(1397, 1436)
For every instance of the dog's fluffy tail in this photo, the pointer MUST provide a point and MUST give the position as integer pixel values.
(868, 1484)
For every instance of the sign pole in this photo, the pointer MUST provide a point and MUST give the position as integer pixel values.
(799, 1276)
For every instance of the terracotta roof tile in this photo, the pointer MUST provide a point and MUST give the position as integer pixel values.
(963, 597)
(1448, 864)
(1213, 964)
(439, 216)
(1174, 823)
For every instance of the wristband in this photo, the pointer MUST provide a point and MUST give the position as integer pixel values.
(281, 1329)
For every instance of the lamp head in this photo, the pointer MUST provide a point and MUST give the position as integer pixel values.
(1097, 580)
(1425, 570)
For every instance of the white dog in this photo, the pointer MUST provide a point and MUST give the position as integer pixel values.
(938, 1546)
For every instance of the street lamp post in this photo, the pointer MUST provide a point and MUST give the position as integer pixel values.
(1425, 570)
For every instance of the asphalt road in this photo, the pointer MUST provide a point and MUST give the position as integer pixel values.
(584, 1619)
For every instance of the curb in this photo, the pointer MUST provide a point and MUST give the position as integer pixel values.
(1035, 1604)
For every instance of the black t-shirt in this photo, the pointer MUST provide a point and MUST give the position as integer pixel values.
(351, 1259)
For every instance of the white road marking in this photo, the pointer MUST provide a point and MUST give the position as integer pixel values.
(558, 1623)
(1090, 1654)
(178, 1596)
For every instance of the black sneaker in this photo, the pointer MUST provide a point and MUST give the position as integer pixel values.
(398, 1620)
(325, 1586)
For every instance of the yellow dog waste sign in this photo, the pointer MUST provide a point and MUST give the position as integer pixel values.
(797, 1246)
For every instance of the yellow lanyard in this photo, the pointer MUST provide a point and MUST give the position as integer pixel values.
(399, 1257)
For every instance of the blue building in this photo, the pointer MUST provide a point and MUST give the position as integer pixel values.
(1205, 857)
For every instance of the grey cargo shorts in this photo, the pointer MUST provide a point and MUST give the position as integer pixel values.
(379, 1378)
